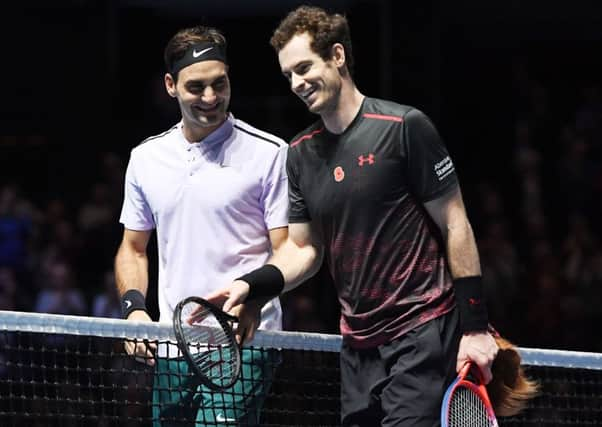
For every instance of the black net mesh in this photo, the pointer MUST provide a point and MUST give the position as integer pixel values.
(60, 379)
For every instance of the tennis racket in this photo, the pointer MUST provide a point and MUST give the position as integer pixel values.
(466, 403)
(205, 338)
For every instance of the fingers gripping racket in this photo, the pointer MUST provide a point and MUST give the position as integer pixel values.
(466, 403)
(205, 338)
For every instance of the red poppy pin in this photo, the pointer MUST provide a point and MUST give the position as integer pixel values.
(339, 174)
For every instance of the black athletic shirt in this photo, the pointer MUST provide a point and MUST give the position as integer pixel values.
(363, 192)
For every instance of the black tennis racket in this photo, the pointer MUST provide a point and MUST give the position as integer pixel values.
(206, 340)
(466, 403)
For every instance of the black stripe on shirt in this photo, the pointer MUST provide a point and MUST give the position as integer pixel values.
(258, 136)
(150, 138)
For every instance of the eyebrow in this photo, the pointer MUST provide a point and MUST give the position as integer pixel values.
(198, 82)
(297, 65)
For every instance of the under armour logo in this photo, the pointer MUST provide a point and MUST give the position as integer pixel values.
(365, 159)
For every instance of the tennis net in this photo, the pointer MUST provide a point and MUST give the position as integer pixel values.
(70, 371)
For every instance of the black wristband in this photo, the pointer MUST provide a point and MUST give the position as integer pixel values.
(132, 300)
(265, 281)
(470, 300)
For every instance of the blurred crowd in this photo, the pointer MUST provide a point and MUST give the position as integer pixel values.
(536, 229)
(539, 239)
(56, 259)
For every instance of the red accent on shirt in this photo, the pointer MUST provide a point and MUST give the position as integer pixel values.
(383, 117)
(304, 137)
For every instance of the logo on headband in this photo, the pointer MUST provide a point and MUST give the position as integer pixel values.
(204, 51)
(196, 54)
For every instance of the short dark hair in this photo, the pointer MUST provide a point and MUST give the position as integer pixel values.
(325, 30)
(178, 45)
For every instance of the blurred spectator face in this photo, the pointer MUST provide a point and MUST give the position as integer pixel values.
(8, 198)
(492, 203)
(59, 276)
(109, 283)
(100, 193)
(8, 281)
(55, 210)
(64, 233)
(548, 286)
(8, 289)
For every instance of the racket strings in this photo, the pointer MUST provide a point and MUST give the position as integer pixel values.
(466, 409)
(210, 347)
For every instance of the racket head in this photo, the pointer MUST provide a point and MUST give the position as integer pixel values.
(206, 340)
(466, 403)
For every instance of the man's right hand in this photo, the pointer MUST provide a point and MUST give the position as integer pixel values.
(143, 351)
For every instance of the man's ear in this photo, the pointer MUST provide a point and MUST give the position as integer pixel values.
(338, 54)
(170, 85)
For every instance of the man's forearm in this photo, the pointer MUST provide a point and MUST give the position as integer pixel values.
(131, 271)
(466, 273)
(297, 264)
(462, 252)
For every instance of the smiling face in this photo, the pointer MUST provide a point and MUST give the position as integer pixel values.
(203, 93)
(315, 80)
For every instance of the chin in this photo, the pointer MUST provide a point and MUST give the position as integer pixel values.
(213, 120)
(315, 108)
(322, 105)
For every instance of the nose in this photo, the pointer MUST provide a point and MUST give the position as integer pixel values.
(209, 96)
(296, 83)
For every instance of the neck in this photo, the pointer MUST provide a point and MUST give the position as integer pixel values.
(197, 133)
(347, 107)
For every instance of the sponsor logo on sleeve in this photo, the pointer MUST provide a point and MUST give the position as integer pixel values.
(444, 168)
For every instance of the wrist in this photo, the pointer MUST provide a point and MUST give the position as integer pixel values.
(265, 281)
(471, 303)
(132, 300)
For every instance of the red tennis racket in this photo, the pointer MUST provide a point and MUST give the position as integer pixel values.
(466, 403)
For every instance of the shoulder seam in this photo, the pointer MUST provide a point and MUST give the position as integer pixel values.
(276, 143)
(150, 138)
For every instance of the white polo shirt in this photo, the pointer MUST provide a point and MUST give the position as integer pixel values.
(212, 204)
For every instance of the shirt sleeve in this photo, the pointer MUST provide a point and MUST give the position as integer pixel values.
(298, 209)
(431, 171)
(274, 197)
(136, 214)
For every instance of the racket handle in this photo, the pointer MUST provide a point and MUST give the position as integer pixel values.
(230, 318)
(465, 369)
(478, 374)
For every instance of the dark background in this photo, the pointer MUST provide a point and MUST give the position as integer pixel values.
(512, 86)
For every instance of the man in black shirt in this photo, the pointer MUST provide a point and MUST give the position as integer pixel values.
(372, 186)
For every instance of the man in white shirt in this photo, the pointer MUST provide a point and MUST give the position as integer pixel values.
(215, 190)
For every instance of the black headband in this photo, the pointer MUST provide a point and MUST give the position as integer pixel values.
(205, 51)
